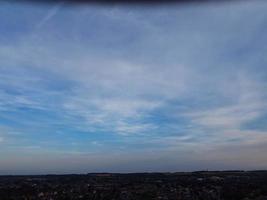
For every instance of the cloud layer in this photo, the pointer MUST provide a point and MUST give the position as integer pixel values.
(130, 88)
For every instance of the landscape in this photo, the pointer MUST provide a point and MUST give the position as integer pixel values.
(204, 185)
(133, 100)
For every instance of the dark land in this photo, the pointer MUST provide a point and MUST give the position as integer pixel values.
(205, 185)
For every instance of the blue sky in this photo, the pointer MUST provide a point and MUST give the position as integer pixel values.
(95, 88)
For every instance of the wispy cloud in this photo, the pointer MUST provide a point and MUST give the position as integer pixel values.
(50, 14)
(157, 83)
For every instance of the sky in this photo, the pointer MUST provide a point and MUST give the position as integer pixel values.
(132, 88)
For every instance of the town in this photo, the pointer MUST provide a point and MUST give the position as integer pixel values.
(202, 185)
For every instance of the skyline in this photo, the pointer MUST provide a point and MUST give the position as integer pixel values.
(95, 88)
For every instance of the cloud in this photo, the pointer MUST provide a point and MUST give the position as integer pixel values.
(247, 103)
(172, 81)
(119, 115)
(125, 128)
(224, 124)
(51, 13)
(129, 2)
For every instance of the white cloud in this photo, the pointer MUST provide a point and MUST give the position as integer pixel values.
(50, 14)
(247, 103)
(225, 124)
(121, 115)
(124, 128)
(118, 81)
